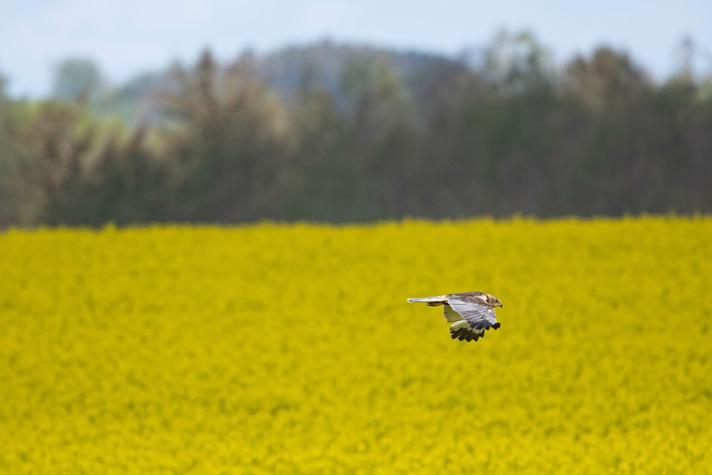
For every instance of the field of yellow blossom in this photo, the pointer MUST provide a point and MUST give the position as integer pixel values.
(290, 349)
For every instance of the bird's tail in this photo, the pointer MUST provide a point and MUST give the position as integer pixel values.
(438, 299)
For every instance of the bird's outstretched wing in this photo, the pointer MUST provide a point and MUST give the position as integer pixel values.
(470, 319)
(473, 312)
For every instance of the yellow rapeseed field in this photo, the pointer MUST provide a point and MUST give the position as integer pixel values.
(290, 349)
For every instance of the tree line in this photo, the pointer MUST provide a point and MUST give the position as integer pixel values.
(497, 132)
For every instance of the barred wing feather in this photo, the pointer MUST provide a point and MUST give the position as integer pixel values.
(463, 331)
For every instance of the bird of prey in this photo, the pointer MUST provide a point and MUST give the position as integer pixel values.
(470, 314)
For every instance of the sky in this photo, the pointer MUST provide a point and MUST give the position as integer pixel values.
(129, 36)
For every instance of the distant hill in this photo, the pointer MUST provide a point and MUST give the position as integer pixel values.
(327, 61)
(322, 64)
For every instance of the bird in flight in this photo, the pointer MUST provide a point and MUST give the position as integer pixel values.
(470, 314)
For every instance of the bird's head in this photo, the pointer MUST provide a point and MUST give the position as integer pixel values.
(493, 301)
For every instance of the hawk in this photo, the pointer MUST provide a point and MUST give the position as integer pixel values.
(470, 314)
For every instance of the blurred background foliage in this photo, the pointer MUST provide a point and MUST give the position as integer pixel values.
(339, 132)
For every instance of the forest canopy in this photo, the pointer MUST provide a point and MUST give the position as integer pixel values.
(342, 133)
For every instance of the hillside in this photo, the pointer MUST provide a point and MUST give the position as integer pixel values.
(321, 65)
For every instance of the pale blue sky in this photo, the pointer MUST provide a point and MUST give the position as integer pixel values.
(128, 36)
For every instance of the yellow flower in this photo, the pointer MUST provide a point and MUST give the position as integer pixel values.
(283, 349)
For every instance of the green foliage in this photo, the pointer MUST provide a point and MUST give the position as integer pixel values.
(362, 134)
(17, 188)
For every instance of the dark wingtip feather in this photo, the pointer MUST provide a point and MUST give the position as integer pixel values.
(463, 334)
